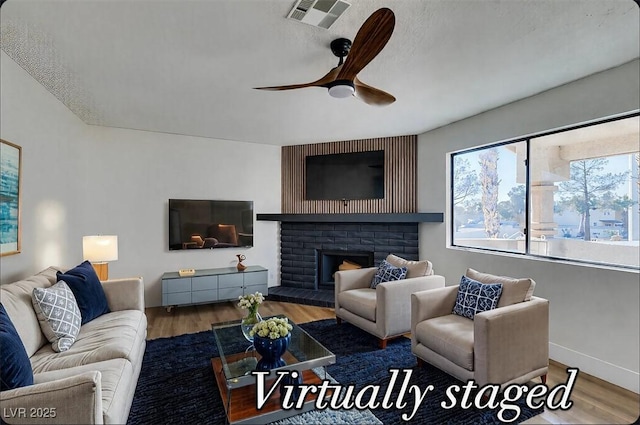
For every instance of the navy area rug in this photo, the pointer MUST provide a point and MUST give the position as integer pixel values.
(177, 385)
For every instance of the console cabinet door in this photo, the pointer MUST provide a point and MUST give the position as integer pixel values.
(204, 289)
(176, 291)
(178, 298)
(256, 282)
(229, 286)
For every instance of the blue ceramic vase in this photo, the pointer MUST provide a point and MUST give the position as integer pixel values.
(271, 351)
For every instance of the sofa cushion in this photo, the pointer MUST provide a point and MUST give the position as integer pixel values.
(414, 268)
(361, 302)
(117, 377)
(119, 334)
(58, 314)
(387, 272)
(15, 368)
(474, 297)
(16, 298)
(513, 290)
(450, 336)
(87, 289)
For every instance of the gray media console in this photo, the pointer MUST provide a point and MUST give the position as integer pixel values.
(212, 285)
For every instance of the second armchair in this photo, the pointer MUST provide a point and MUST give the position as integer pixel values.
(383, 311)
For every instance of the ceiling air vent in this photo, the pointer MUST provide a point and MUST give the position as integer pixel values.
(319, 13)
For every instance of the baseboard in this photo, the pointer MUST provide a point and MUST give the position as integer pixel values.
(616, 375)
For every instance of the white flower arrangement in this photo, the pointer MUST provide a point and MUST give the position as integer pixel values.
(273, 328)
(250, 302)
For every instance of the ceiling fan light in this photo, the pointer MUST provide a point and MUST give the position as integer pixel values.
(342, 90)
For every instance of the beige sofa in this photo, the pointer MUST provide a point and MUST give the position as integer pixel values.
(386, 310)
(94, 381)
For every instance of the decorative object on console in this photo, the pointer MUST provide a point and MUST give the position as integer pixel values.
(58, 314)
(186, 272)
(87, 289)
(10, 201)
(251, 303)
(271, 338)
(387, 272)
(241, 258)
(99, 250)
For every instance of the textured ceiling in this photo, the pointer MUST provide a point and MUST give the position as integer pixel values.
(188, 67)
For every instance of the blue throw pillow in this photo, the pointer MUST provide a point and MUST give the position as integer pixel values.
(475, 297)
(387, 272)
(15, 368)
(86, 287)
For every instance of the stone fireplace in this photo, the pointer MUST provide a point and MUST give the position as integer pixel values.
(308, 248)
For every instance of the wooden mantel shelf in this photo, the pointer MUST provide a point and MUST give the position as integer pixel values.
(355, 218)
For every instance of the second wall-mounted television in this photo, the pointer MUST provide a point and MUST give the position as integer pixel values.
(357, 175)
(210, 224)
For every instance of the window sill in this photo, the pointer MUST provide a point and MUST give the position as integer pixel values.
(544, 259)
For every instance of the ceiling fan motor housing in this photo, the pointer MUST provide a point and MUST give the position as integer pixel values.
(341, 89)
(340, 47)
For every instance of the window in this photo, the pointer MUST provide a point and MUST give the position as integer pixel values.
(569, 194)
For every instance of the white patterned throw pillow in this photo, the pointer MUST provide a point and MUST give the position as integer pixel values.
(58, 314)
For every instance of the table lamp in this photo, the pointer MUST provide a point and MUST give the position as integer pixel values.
(99, 250)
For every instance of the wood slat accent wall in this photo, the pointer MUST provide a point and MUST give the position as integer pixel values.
(400, 184)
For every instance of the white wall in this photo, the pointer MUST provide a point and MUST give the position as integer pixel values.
(80, 180)
(51, 141)
(595, 312)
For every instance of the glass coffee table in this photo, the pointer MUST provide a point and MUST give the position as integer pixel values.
(238, 359)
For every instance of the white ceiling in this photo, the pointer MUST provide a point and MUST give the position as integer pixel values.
(188, 67)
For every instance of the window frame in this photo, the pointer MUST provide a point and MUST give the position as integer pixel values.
(527, 240)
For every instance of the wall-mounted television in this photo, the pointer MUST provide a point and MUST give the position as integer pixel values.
(356, 175)
(210, 224)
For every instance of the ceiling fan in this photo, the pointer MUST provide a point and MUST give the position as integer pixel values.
(342, 80)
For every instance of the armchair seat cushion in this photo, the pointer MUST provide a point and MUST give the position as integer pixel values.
(360, 301)
(450, 336)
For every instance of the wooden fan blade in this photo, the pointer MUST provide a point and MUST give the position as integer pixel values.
(370, 40)
(371, 95)
(322, 82)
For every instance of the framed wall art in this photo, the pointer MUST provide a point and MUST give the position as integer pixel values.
(10, 195)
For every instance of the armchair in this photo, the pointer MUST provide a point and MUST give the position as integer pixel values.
(503, 346)
(385, 310)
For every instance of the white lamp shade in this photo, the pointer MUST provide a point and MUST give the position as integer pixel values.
(100, 249)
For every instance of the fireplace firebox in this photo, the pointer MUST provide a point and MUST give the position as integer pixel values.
(329, 261)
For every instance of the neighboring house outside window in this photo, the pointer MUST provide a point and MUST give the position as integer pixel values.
(570, 194)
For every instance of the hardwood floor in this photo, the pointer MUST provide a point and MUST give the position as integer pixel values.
(594, 401)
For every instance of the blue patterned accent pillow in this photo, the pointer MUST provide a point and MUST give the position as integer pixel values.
(475, 297)
(387, 272)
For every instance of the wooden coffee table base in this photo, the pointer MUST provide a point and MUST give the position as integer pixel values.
(242, 409)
